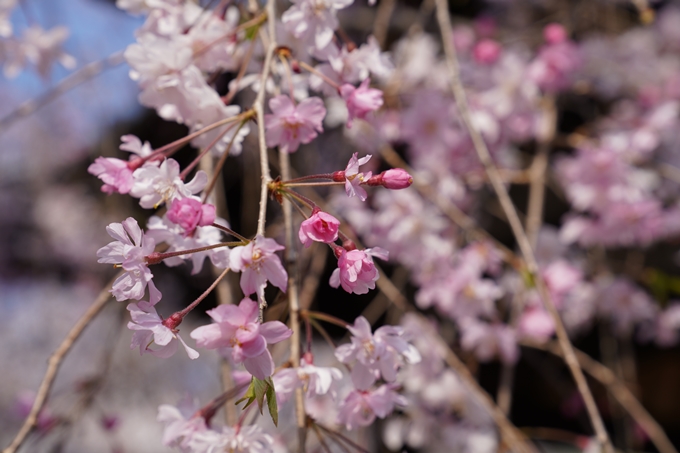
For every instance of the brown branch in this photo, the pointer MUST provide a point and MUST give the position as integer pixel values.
(619, 390)
(513, 218)
(54, 363)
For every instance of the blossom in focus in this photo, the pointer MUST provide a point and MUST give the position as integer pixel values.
(149, 328)
(258, 263)
(129, 251)
(190, 213)
(289, 125)
(375, 355)
(116, 173)
(360, 408)
(236, 331)
(320, 227)
(360, 101)
(356, 271)
(353, 178)
(155, 185)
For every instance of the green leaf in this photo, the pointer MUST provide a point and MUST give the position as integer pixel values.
(271, 402)
(529, 279)
(251, 32)
(260, 391)
(249, 395)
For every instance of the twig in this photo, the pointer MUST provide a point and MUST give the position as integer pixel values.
(620, 392)
(382, 21)
(70, 82)
(344, 438)
(55, 362)
(293, 300)
(520, 235)
(320, 436)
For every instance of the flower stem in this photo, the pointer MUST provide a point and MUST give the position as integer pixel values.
(220, 164)
(157, 257)
(193, 305)
(230, 231)
(319, 74)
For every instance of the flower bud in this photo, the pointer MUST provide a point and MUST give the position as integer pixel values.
(396, 179)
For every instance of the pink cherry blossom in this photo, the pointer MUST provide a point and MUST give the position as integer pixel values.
(236, 332)
(241, 439)
(313, 21)
(116, 173)
(129, 251)
(149, 328)
(375, 355)
(258, 263)
(320, 227)
(486, 51)
(356, 272)
(353, 178)
(360, 101)
(180, 426)
(314, 380)
(489, 340)
(190, 213)
(155, 185)
(360, 408)
(289, 125)
(554, 33)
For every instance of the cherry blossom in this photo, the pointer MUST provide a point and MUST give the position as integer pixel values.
(155, 185)
(360, 408)
(289, 125)
(353, 178)
(129, 251)
(320, 227)
(190, 213)
(115, 173)
(356, 272)
(375, 355)
(360, 101)
(179, 427)
(241, 439)
(313, 21)
(150, 328)
(236, 332)
(258, 263)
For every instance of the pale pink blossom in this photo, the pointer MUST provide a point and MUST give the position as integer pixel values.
(129, 251)
(314, 380)
(190, 213)
(149, 328)
(488, 341)
(624, 305)
(320, 227)
(356, 272)
(240, 439)
(116, 173)
(375, 355)
(258, 263)
(155, 185)
(236, 332)
(39, 47)
(360, 101)
(289, 125)
(179, 426)
(313, 21)
(360, 408)
(353, 178)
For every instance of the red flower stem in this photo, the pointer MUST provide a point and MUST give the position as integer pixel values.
(322, 331)
(293, 202)
(230, 231)
(308, 328)
(157, 257)
(320, 74)
(198, 158)
(310, 204)
(193, 305)
(313, 184)
(308, 177)
(220, 164)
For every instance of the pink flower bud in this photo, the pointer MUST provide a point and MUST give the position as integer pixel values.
(554, 33)
(190, 213)
(486, 51)
(320, 227)
(396, 178)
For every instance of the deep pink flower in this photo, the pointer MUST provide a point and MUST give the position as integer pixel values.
(394, 179)
(289, 125)
(360, 101)
(320, 227)
(190, 213)
(356, 271)
(486, 51)
(554, 33)
(237, 332)
(258, 264)
(116, 173)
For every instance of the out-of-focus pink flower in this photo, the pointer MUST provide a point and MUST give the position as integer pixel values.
(356, 272)
(313, 21)
(489, 340)
(289, 125)
(129, 250)
(258, 263)
(379, 354)
(361, 407)
(360, 101)
(486, 51)
(237, 332)
(554, 33)
(315, 380)
(179, 427)
(320, 227)
(245, 439)
(536, 323)
(190, 213)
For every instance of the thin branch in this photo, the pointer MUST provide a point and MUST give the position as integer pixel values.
(293, 300)
(381, 25)
(513, 218)
(619, 390)
(55, 362)
(70, 82)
